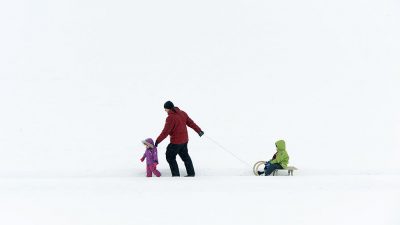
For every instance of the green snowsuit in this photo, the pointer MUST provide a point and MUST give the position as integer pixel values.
(281, 156)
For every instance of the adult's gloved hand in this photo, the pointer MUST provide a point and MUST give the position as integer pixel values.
(201, 133)
(156, 144)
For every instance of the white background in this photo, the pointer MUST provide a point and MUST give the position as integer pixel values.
(82, 82)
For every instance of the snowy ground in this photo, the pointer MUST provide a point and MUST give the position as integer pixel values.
(315, 199)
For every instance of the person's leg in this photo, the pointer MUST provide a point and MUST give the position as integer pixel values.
(269, 169)
(148, 170)
(184, 154)
(266, 165)
(171, 153)
(155, 171)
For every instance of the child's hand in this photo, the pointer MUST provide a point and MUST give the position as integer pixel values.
(142, 159)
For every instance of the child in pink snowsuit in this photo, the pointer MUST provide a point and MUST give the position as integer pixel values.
(151, 158)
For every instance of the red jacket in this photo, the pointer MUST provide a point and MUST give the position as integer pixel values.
(175, 126)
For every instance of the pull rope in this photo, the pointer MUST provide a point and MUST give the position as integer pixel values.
(226, 150)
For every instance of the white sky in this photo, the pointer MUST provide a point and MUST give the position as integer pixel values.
(82, 82)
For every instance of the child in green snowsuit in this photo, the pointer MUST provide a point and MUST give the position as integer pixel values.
(280, 159)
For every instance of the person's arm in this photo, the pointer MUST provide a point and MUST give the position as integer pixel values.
(155, 156)
(144, 156)
(190, 123)
(277, 159)
(165, 132)
(273, 157)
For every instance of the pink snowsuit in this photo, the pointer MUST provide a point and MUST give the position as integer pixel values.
(151, 159)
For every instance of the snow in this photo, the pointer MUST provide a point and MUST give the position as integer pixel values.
(345, 199)
(83, 82)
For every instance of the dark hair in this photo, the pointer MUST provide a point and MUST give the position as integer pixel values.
(168, 105)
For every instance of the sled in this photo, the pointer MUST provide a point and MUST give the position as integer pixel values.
(289, 169)
(257, 165)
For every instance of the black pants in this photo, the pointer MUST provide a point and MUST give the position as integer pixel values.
(182, 151)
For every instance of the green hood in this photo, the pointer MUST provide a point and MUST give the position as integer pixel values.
(282, 156)
(280, 145)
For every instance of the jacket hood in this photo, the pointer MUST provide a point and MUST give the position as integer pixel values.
(173, 110)
(280, 145)
(148, 141)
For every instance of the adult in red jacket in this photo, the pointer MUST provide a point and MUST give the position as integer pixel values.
(175, 126)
